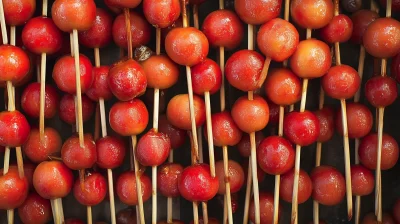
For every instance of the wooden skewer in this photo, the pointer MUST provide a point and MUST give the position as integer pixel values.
(138, 183)
(42, 82)
(248, 193)
(210, 133)
(89, 214)
(227, 185)
(3, 24)
(61, 210)
(56, 208)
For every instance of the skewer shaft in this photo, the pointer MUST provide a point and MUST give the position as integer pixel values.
(111, 194)
(210, 138)
(42, 94)
(154, 194)
(248, 193)
(138, 182)
(89, 214)
(227, 184)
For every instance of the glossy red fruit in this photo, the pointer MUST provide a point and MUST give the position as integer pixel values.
(341, 82)
(167, 179)
(110, 152)
(275, 155)
(311, 14)
(99, 35)
(13, 189)
(362, 180)
(176, 136)
(259, 11)
(250, 115)
(161, 13)
(17, 12)
(153, 148)
(283, 87)
(30, 100)
(126, 188)
(224, 129)
(67, 111)
(14, 128)
(339, 29)
(368, 149)
(161, 72)
(127, 216)
(99, 88)
(76, 157)
(326, 118)
(64, 73)
(35, 210)
(38, 150)
(301, 128)
(223, 28)
(396, 210)
(370, 218)
(129, 118)
(14, 64)
(140, 29)
(312, 58)
(41, 35)
(277, 39)
(329, 187)
(124, 3)
(127, 79)
(76, 14)
(243, 70)
(244, 146)
(361, 20)
(178, 112)
(94, 191)
(273, 113)
(236, 176)
(286, 187)
(359, 120)
(381, 91)
(266, 208)
(206, 77)
(186, 46)
(52, 179)
(196, 183)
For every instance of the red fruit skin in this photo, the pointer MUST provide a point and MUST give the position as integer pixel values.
(167, 179)
(110, 152)
(30, 100)
(224, 129)
(244, 146)
(99, 88)
(176, 136)
(124, 3)
(52, 179)
(339, 29)
(283, 87)
(396, 211)
(17, 12)
(64, 73)
(243, 70)
(161, 72)
(301, 128)
(76, 157)
(14, 64)
(311, 14)
(153, 148)
(341, 82)
(196, 184)
(14, 128)
(362, 180)
(381, 91)
(140, 29)
(76, 14)
(223, 28)
(74, 221)
(206, 77)
(186, 46)
(273, 113)
(326, 118)
(250, 115)
(359, 120)
(67, 109)
(127, 80)
(41, 35)
(178, 112)
(129, 118)
(368, 147)
(395, 5)
(286, 187)
(329, 186)
(35, 210)
(13, 189)
(29, 168)
(39, 150)
(99, 35)
(236, 176)
(126, 216)
(127, 191)
(312, 59)
(94, 192)
(257, 12)
(266, 208)
(161, 13)
(275, 155)
(370, 218)
(277, 39)
(361, 20)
